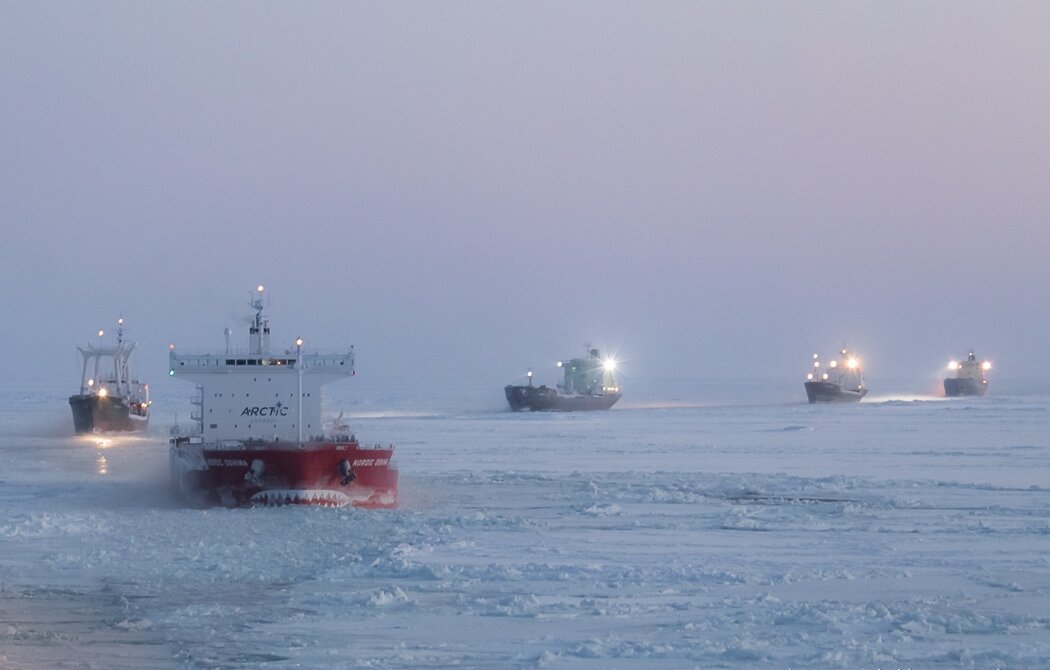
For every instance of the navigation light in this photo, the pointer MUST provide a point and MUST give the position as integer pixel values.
(852, 363)
(953, 365)
(102, 393)
(987, 365)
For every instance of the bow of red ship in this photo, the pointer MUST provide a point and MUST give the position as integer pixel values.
(328, 473)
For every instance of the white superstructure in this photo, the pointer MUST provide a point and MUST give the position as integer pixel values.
(845, 371)
(258, 395)
(106, 372)
(970, 369)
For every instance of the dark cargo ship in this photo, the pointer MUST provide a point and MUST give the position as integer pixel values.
(969, 379)
(109, 399)
(588, 384)
(841, 381)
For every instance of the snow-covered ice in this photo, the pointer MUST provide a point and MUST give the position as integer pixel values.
(669, 532)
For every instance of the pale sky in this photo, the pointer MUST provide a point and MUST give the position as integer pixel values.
(463, 190)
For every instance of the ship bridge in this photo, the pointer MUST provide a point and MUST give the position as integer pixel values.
(256, 394)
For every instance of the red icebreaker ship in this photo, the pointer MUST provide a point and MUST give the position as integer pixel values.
(260, 440)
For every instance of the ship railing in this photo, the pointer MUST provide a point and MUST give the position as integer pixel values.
(375, 447)
(340, 360)
(245, 353)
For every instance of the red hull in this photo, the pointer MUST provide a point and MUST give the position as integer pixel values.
(328, 473)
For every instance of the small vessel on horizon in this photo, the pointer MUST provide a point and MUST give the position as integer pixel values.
(841, 381)
(588, 384)
(259, 437)
(109, 398)
(970, 377)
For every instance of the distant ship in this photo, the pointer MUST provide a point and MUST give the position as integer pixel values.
(841, 381)
(588, 384)
(109, 399)
(969, 377)
(259, 438)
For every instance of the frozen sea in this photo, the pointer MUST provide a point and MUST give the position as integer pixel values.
(692, 526)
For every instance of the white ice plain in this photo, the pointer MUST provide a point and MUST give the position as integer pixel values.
(661, 534)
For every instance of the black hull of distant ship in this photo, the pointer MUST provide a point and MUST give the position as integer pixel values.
(954, 388)
(546, 399)
(93, 413)
(821, 391)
